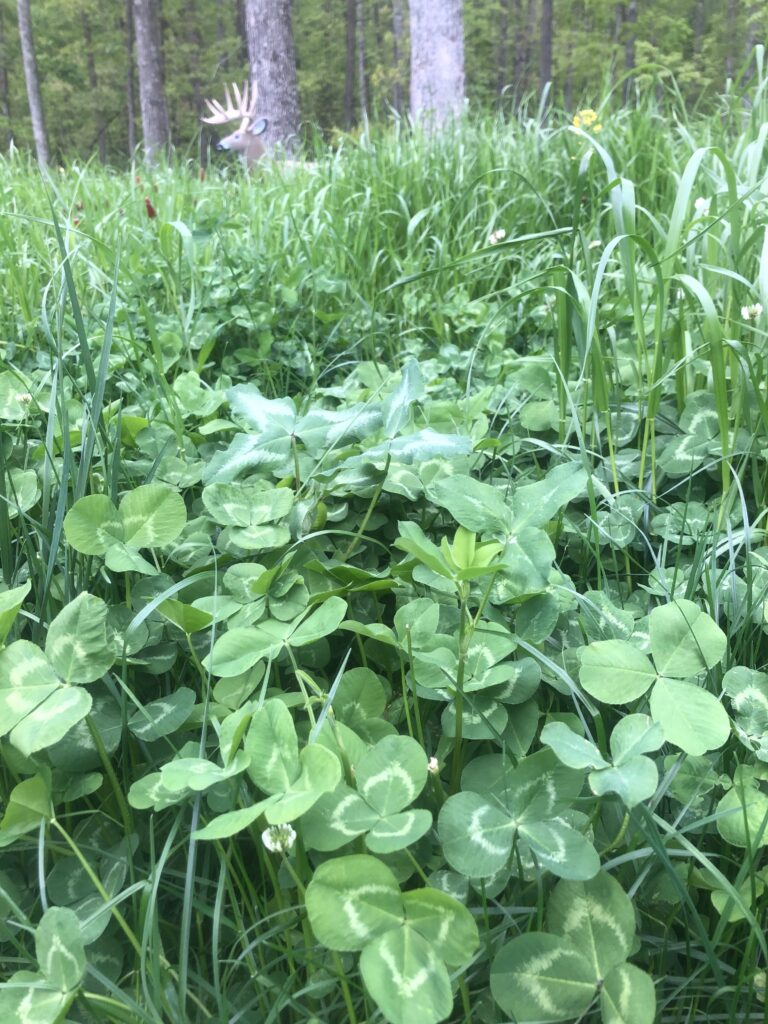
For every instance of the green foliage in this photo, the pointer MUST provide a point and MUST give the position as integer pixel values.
(383, 608)
(556, 975)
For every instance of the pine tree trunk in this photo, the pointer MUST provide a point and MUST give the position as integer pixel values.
(154, 111)
(5, 101)
(437, 60)
(130, 91)
(93, 83)
(545, 53)
(362, 87)
(398, 47)
(349, 78)
(33, 81)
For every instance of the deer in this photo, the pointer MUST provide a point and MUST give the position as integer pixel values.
(245, 141)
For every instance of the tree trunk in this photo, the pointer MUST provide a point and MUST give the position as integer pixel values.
(730, 29)
(93, 84)
(523, 50)
(272, 57)
(361, 83)
(502, 60)
(242, 27)
(5, 102)
(221, 31)
(437, 60)
(753, 27)
(629, 44)
(196, 46)
(33, 81)
(196, 49)
(397, 54)
(545, 53)
(349, 79)
(618, 24)
(154, 111)
(130, 91)
(699, 20)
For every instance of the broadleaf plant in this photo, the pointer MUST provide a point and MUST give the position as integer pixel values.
(406, 940)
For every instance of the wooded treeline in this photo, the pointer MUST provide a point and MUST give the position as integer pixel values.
(352, 58)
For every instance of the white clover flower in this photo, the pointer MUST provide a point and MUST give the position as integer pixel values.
(24, 397)
(433, 766)
(278, 838)
(497, 236)
(751, 312)
(701, 206)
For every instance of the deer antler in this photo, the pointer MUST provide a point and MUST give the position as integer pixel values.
(243, 107)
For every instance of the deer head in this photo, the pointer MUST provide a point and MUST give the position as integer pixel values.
(245, 140)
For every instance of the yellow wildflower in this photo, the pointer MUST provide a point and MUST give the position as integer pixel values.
(587, 119)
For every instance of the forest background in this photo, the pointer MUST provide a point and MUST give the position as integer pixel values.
(352, 60)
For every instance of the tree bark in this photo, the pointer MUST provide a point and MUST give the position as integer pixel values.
(349, 78)
(154, 111)
(437, 60)
(502, 60)
(130, 90)
(545, 52)
(397, 54)
(362, 87)
(196, 46)
(629, 44)
(618, 24)
(33, 81)
(753, 27)
(730, 28)
(93, 83)
(523, 50)
(699, 19)
(272, 57)
(5, 101)
(220, 30)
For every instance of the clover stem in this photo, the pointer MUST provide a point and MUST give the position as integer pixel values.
(96, 882)
(109, 771)
(368, 513)
(465, 635)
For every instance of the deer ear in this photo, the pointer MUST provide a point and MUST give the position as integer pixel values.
(259, 127)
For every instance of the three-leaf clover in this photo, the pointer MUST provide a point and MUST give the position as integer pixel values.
(406, 939)
(389, 777)
(501, 806)
(685, 642)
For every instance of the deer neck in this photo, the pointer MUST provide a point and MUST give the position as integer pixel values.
(254, 150)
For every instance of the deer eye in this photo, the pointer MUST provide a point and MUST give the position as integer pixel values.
(237, 135)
